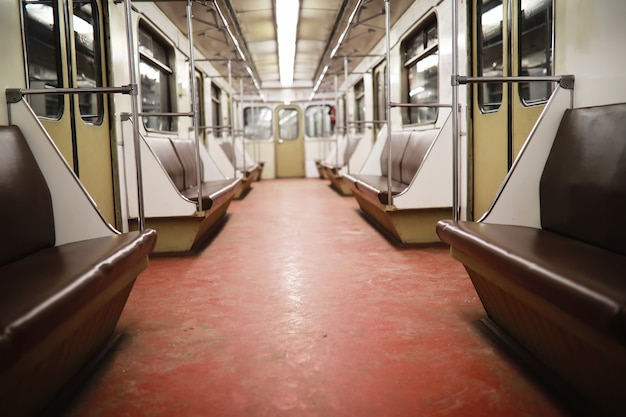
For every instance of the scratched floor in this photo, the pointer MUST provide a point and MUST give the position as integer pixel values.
(299, 307)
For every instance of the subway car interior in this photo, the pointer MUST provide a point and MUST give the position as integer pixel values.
(312, 208)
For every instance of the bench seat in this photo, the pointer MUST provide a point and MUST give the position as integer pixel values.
(403, 226)
(250, 169)
(579, 279)
(332, 167)
(186, 233)
(558, 290)
(59, 303)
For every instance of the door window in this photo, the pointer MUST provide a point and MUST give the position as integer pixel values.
(288, 124)
(88, 65)
(535, 45)
(490, 51)
(43, 55)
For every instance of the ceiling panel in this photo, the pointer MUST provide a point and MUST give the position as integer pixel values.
(321, 23)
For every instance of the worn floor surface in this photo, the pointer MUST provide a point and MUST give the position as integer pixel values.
(299, 307)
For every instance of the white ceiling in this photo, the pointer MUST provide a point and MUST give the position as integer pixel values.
(320, 26)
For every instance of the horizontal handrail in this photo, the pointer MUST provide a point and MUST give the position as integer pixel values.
(126, 116)
(365, 122)
(433, 105)
(14, 95)
(566, 81)
(166, 114)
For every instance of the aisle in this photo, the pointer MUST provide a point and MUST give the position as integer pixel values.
(300, 308)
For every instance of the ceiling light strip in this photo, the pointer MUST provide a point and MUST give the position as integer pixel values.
(345, 31)
(287, 13)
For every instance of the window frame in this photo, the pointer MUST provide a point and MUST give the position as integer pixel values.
(167, 124)
(246, 118)
(324, 108)
(410, 62)
(359, 105)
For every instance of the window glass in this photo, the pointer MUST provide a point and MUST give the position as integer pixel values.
(319, 120)
(156, 81)
(490, 53)
(216, 111)
(288, 124)
(535, 45)
(88, 65)
(42, 53)
(380, 94)
(421, 65)
(200, 103)
(359, 106)
(257, 122)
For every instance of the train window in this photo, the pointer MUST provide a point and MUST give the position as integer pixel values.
(359, 105)
(490, 53)
(288, 123)
(88, 65)
(156, 74)
(216, 111)
(43, 55)
(535, 45)
(380, 96)
(319, 120)
(200, 103)
(257, 123)
(421, 66)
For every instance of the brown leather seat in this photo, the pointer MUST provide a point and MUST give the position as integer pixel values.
(178, 157)
(408, 149)
(58, 304)
(560, 290)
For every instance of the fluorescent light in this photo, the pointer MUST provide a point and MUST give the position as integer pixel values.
(287, 13)
(319, 82)
(345, 31)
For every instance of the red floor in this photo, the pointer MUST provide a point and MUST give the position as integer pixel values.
(300, 308)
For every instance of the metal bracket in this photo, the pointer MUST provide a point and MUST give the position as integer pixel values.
(14, 95)
(567, 82)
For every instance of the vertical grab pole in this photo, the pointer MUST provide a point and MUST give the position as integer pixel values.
(388, 100)
(336, 134)
(232, 115)
(194, 102)
(132, 65)
(346, 118)
(243, 137)
(456, 142)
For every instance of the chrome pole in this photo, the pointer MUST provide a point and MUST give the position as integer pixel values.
(456, 142)
(241, 127)
(232, 114)
(336, 134)
(388, 100)
(132, 65)
(346, 118)
(194, 102)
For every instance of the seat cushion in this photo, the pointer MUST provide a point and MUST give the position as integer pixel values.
(49, 286)
(377, 186)
(582, 280)
(213, 192)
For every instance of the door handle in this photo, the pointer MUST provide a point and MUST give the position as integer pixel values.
(281, 140)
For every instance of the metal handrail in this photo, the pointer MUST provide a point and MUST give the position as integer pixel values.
(433, 105)
(14, 95)
(566, 81)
